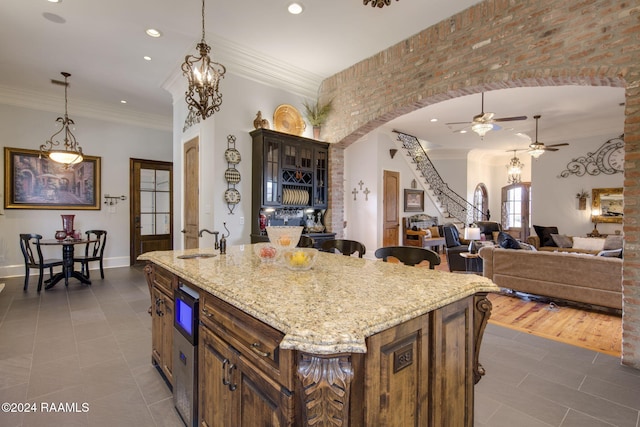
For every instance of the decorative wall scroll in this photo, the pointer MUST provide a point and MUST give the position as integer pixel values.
(192, 119)
(232, 175)
(608, 160)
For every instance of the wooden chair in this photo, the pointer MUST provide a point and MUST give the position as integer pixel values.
(409, 255)
(345, 247)
(305, 242)
(93, 251)
(34, 259)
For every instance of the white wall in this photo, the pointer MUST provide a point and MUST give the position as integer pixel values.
(115, 143)
(554, 201)
(242, 99)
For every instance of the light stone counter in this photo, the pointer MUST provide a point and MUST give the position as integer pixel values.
(329, 309)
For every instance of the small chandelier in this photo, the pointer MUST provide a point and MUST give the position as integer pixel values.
(377, 3)
(514, 170)
(69, 152)
(482, 128)
(204, 75)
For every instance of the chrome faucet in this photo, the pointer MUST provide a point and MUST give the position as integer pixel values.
(215, 234)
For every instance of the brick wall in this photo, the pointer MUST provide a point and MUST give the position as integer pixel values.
(499, 44)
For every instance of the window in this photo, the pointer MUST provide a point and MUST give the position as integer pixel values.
(481, 203)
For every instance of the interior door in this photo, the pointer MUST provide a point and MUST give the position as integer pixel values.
(391, 220)
(151, 208)
(191, 193)
(516, 212)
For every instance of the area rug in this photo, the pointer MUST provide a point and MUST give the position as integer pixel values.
(594, 330)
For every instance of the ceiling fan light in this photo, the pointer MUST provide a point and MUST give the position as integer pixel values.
(482, 128)
(535, 153)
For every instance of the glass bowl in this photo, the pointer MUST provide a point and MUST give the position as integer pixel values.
(299, 258)
(266, 251)
(284, 236)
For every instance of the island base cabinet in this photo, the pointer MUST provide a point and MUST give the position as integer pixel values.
(232, 392)
(162, 334)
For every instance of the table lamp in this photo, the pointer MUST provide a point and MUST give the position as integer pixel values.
(473, 234)
(594, 219)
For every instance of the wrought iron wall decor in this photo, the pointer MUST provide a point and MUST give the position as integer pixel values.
(608, 160)
(232, 175)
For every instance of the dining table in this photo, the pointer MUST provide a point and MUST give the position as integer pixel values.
(68, 269)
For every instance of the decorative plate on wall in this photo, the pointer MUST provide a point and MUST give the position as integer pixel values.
(232, 196)
(232, 156)
(232, 175)
(288, 120)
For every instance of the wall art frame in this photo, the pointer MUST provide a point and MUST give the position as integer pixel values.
(413, 200)
(606, 205)
(32, 181)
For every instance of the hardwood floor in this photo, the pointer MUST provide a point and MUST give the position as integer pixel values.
(594, 330)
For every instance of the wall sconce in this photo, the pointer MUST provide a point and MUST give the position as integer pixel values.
(113, 200)
(392, 152)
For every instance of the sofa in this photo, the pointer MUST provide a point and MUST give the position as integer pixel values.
(455, 245)
(549, 239)
(587, 279)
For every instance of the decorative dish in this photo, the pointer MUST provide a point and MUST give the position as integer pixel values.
(288, 120)
(266, 251)
(299, 258)
(284, 236)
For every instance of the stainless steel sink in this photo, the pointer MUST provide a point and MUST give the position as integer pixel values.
(190, 256)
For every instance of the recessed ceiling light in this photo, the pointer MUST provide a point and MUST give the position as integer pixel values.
(55, 1)
(123, 101)
(152, 32)
(434, 120)
(295, 8)
(147, 58)
(463, 131)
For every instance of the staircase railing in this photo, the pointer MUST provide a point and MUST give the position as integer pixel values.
(451, 202)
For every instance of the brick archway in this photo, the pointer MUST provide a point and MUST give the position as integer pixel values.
(500, 44)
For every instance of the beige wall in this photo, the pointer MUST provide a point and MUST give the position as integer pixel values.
(498, 44)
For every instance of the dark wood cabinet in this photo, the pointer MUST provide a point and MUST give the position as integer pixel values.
(233, 389)
(289, 172)
(162, 285)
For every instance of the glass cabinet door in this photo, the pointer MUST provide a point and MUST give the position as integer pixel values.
(321, 161)
(271, 191)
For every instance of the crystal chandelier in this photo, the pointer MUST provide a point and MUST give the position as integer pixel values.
(202, 95)
(482, 128)
(514, 170)
(377, 3)
(69, 152)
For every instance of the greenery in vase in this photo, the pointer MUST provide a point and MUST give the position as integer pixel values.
(316, 112)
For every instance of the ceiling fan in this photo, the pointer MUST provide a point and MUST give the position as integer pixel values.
(484, 122)
(536, 149)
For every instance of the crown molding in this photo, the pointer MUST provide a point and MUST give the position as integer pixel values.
(254, 65)
(39, 101)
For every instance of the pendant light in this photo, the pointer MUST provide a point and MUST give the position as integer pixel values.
(202, 95)
(69, 152)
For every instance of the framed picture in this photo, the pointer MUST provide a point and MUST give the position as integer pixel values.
(413, 200)
(606, 205)
(35, 182)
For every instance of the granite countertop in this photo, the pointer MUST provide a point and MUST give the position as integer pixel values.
(329, 309)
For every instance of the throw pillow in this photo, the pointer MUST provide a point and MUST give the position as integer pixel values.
(588, 243)
(526, 246)
(562, 241)
(613, 242)
(544, 233)
(427, 232)
(434, 231)
(506, 241)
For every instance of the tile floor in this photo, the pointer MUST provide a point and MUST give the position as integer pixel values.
(91, 345)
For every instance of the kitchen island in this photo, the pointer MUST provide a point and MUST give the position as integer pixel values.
(351, 342)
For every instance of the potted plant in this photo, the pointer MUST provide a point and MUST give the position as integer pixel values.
(317, 114)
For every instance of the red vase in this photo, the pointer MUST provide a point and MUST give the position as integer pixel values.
(67, 224)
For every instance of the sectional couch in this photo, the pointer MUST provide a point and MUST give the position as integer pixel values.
(587, 279)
